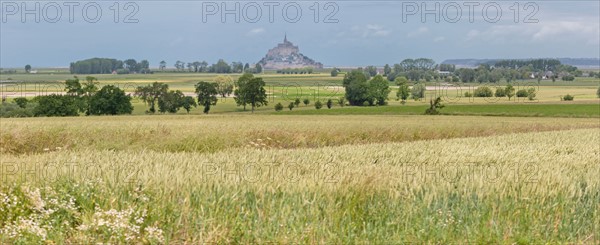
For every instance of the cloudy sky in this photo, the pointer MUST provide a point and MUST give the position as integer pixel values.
(337, 33)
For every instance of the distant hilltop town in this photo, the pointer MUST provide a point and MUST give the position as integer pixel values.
(286, 55)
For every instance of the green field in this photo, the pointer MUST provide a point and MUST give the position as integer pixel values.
(521, 110)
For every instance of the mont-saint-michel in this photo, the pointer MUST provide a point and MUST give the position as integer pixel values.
(287, 55)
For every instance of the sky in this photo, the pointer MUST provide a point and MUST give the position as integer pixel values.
(335, 33)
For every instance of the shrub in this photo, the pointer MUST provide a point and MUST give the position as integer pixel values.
(531, 93)
(366, 103)
(468, 94)
(56, 106)
(278, 107)
(598, 92)
(318, 105)
(568, 78)
(14, 110)
(418, 91)
(334, 72)
(306, 102)
(568, 97)
(434, 105)
(483, 92)
(122, 71)
(297, 102)
(21, 102)
(500, 92)
(522, 93)
(329, 103)
(291, 105)
(342, 100)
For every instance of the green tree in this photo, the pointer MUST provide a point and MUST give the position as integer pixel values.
(509, 90)
(150, 94)
(241, 90)
(418, 91)
(162, 65)
(318, 105)
(144, 67)
(329, 103)
(291, 105)
(387, 70)
(334, 72)
(224, 85)
(531, 93)
(379, 90)
(110, 100)
(83, 93)
(131, 65)
(403, 89)
(371, 70)
(28, 68)
(207, 94)
(278, 107)
(434, 106)
(297, 102)
(89, 88)
(256, 93)
(306, 102)
(73, 87)
(221, 67)
(21, 102)
(357, 87)
(188, 102)
(258, 68)
(598, 92)
(170, 101)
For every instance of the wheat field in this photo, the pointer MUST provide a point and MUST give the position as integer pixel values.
(362, 179)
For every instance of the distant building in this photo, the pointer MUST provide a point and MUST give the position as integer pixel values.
(286, 55)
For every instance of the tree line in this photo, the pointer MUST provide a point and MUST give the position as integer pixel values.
(220, 67)
(108, 66)
(80, 97)
(509, 70)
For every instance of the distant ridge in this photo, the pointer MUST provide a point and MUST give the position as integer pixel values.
(577, 62)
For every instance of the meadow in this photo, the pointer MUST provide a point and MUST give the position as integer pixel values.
(300, 179)
(321, 86)
(485, 171)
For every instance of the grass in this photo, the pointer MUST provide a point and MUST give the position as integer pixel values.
(519, 110)
(514, 188)
(202, 134)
